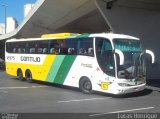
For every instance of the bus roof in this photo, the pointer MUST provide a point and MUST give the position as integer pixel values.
(113, 36)
(60, 36)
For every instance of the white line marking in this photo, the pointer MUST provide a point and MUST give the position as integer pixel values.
(84, 100)
(3, 91)
(39, 86)
(131, 110)
(4, 88)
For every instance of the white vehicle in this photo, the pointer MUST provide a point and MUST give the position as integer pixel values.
(105, 62)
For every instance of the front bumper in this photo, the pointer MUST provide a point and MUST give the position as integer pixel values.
(129, 89)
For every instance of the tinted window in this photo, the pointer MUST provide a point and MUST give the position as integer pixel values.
(33, 47)
(81, 46)
(85, 47)
(105, 56)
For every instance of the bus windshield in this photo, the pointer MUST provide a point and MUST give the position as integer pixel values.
(127, 45)
(134, 62)
(105, 56)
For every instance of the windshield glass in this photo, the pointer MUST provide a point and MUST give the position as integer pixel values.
(134, 61)
(105, 56)
(127, 45)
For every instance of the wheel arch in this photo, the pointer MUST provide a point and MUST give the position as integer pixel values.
(29, 76)
(19, 69)
(27, 71)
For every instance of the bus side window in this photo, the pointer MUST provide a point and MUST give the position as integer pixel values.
(45, 50)
(90, 52)
(27, 49)
(64, 51)
(105, 56)
(21, 50)
(39, 50)
(32, 50)
(71, 51)
(82, 51)
(14, 50)
(52, 51)
(72, 46)
(85, 46)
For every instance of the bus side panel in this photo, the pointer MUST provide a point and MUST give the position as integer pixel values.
(60, 68)
(39, 70)
(83, 66)
(54, 68)
(11, 68)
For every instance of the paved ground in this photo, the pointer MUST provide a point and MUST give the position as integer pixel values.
(22, 97)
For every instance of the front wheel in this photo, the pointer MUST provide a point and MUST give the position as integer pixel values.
(29, 76)
(85, 85)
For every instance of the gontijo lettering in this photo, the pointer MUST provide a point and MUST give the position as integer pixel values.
(30, 59)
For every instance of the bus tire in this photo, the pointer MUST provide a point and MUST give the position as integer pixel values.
(20, 75)
(85, 85)
(28, 75)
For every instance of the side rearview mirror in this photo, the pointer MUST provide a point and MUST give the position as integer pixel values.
(121, 56)
(152, 55)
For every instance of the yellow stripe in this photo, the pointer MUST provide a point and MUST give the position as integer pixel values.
(59, 35)
(56, 35)
(39, 72)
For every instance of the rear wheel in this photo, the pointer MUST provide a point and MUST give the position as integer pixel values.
(85, 85)
(20, 75)
(29, 76)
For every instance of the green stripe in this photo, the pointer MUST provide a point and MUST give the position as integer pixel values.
(64, 69)
(55, 67)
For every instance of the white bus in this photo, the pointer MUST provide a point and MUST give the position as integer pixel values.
(105, 62)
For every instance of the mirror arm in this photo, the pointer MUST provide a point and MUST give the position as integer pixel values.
(152, 55)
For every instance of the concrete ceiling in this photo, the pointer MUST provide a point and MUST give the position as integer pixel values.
(54, 14)
(50, 15)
